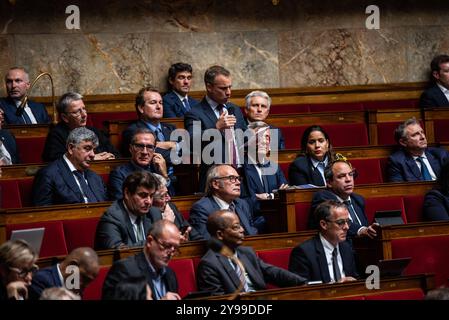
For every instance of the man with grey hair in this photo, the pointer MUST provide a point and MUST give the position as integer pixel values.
(257, 108)
(17, 83)
(73, 114)
(414, 161)
(69, 179)
(223, 192)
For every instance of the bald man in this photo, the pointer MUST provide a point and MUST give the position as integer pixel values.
(75, 272)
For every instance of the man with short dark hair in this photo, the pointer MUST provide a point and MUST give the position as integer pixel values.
(414, 161)
(177, 102)
(438, 94)
(327, 257)
(125, 222)
(17, 83)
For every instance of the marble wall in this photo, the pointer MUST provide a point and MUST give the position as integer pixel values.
(123, 45)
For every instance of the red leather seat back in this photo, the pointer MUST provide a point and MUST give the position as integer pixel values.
(333, 107)
(80, 232)
(390, 104)
(94, 289)
(383, 203)
(185, 273)
(276, 257)
(289, 108)
(414, 208)
(26, 191)
(368, 169)
(10, 195)
(385, 133)
(302, 210)
(440, 130)
(97, 119)
(30, 149)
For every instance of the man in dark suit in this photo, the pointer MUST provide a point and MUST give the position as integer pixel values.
(82, 260)
(177, 102)
(8, 148)
(234, 268)
(258, 105)
(414, 161)
(69, 179)
(216, 112)
(143, 158)
(73, 114)
(125, 222)
(223, 191)
(17, 83)
(326, 257)
(438, 94)
(340, 187)
(162, 243)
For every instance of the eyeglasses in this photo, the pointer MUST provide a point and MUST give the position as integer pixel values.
(231, 179)
(22, 273)
(168, 247)
(77, 113)
(341, 222)
(141, 146)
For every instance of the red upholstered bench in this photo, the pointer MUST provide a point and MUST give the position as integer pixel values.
(30, 149)
(410, 294)
(383, 203)
(440, 130)
(53, 243)
(185, 273)
(26, 191)
(429, 255)
(97, 119)
(276, 257)
(414, 208)
(390, 104)
(80, 232)
(385, 133)
(94, 289)
(289, 108)
(333, 107)
(10, 195)
(369, 170)
(302, 210)
(284, 168)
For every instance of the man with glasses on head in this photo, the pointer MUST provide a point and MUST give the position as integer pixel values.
(327, 257)
(125, 222)
(73, 114)
(143, 158)
(162, 243)
(340, 187)
(222, 193)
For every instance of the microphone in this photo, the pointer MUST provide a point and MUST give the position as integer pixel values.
(232, 132)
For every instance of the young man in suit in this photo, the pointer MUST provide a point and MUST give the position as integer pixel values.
(236, 268)
(17, 83)
(414, 161)
(326, 257)
(68, 179)
(125, 222)
(61, 274)
(222, 192)
(177, 102)
(438, 94)
(162, 243)
(216, 112)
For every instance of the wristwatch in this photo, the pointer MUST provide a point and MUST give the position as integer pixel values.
(269, 196)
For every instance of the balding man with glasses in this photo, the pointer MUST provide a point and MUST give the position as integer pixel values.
(222, 193)
(327, 257)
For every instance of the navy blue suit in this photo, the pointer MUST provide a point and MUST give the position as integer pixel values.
(301, 171)
(401, 166)
(433, 97)
(204, 207)
(43, 279)
(436, 206)
(136, 266)
(309, 260)
(9, 141)
(203, 113)
(9, 107)
(55, 184)
(358, 203)
(173, 107)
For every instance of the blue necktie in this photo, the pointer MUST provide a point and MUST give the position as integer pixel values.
(26, 118)
(425, 174)
(335, 267)
(160, 136)
(185, 101)
(354, 217)
(87, 192)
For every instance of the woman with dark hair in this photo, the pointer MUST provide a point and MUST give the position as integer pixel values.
(134, 288)
(436, 201)
(316, 153)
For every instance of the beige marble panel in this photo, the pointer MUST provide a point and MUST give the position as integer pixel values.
(250, 56)
(6, 60)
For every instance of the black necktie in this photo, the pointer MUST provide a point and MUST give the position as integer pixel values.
(337, 274)
(266, 186)
(26, 118)
(87, 192)
(220, 109)
(231, 207)
(185, 101)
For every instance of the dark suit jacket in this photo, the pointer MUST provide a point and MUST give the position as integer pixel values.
(216, 275)
(433, 97)
(357, 202)
(173, 107)
(9, 107)
(402, 167)
(201, 210)
(115, 228)
(55, 184)
(301, 171)
(10, 144)
(135, 266)
(203, 113)
(436, 206)
(155, 214)
(309, 260)
(43, 279)
(55, 144)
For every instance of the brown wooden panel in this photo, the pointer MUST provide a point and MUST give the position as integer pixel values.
(28, 131)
